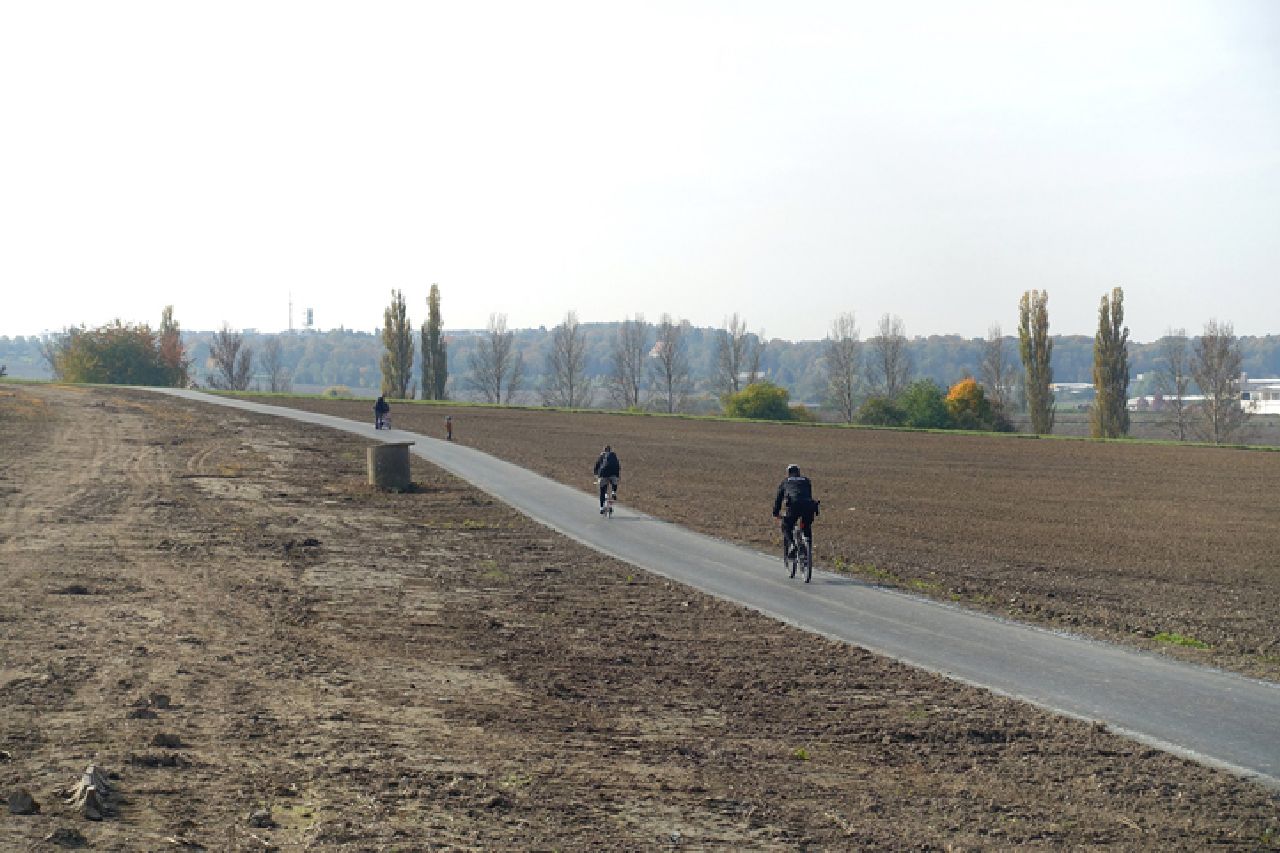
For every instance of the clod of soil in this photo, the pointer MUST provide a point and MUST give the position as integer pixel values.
(22, 803)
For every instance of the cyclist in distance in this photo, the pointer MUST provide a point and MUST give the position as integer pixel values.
(795, 496)
(607, 471)
(381, 410)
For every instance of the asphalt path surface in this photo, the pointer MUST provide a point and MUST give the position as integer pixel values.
(1211, 716)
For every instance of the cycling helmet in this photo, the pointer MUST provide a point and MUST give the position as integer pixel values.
(792, 470)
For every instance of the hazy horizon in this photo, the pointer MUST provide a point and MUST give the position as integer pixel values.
(929, 160)
(1008, 333)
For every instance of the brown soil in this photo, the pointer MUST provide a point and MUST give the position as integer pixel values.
(1124, 541)
(216, 609)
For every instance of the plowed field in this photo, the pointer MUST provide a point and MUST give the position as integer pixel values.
(1171, 548)
(263, 653)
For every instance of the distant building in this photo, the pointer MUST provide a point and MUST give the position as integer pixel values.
(1257, 397)
(1260, 396)
(1158, 403)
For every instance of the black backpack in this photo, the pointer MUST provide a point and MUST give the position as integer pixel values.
(801, 498)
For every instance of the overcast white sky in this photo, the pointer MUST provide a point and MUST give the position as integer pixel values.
(785, 161)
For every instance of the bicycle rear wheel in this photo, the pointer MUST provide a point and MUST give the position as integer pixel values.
(805, 553)
(788, 556)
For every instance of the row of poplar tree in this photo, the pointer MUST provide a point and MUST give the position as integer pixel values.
(1212, 361)
(652, 358)
(398, 358)
(645, 356)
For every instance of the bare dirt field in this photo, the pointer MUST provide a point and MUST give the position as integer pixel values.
(1160, 546)
(263, 653)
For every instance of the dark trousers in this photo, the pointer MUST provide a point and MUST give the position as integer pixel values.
(789, 525)
(605, 483)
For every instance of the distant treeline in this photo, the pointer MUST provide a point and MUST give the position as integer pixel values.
(319, 360)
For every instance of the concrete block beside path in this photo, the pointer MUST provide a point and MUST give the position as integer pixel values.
(389, 466)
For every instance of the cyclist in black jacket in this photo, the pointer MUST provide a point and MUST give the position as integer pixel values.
(796, 493)
(607, 471)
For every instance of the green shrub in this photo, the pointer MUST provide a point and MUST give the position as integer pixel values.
(880, 411)
(117, 353)
(925, 406)
(759, 401)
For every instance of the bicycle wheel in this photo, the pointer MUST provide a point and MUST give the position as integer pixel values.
(806, 554)
(788, 556)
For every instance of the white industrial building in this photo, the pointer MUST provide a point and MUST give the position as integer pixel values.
(1257, 397)
(1260, 396)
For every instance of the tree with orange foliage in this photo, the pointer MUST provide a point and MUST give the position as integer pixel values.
(968, 405)
(969, 408)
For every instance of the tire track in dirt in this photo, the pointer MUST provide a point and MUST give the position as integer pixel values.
(69, 583)
(123, 504)
(35, 499)
(20, 412)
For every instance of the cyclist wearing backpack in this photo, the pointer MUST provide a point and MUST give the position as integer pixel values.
(796, 493)
(607, 471)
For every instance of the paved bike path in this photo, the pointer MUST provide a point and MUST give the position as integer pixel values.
(1212, 716)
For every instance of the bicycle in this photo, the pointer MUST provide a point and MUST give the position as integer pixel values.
(610, 496)
(382, 422)
(797, 550)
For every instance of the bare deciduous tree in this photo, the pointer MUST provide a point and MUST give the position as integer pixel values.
(278, 378)
(1215, 366)
(671, 362)
(232, 360)
(51, 346)
(516, 377)
(996, 368)
(889, 364)
(840, 356)
(567, 380)
(627, 378)
(1173, 380)
(1036, 349)
(733, 353)
(497, 370)
(755, 354)
(397, 357)
(1109, 417)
